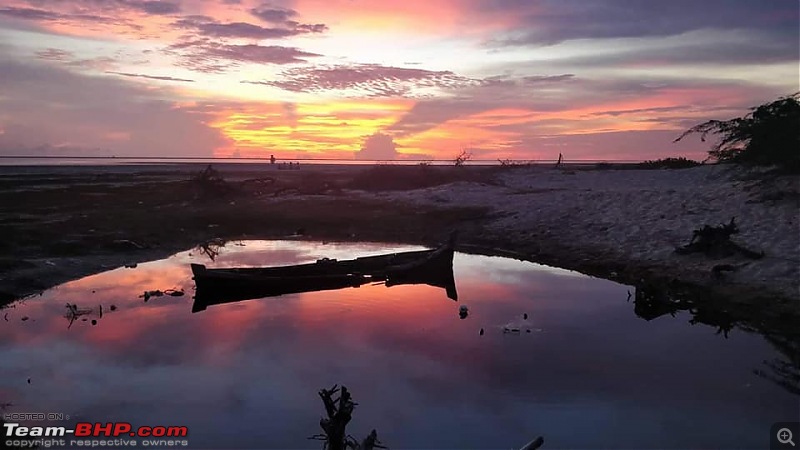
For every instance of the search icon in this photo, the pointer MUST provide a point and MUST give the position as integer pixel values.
(785, 436)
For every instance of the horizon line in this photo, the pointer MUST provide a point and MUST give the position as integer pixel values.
(265, 158)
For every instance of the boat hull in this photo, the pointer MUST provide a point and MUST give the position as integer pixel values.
(431, 267)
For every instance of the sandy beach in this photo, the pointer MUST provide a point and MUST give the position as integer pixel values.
(622, 223)
(636, 218)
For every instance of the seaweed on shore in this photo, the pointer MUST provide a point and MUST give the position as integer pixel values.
(716, 242)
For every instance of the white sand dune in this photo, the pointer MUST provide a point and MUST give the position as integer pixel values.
(640, 216)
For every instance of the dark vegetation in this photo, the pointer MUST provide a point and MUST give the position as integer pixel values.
(716, 242)
(511, 163)
(669, 163)
(607, 166)
(462, 158)
(767, 136)
(210, 183)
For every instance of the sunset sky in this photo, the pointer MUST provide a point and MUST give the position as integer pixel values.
(391, 79)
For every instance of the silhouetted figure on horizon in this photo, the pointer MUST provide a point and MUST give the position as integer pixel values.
(272, 159)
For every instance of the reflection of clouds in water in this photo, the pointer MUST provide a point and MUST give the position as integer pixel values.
(269, 253)
(422, 376)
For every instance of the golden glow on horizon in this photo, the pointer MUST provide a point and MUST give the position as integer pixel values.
(338, 128)
(333, 128)
(447, 140)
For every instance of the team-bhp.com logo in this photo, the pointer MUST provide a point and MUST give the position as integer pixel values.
(90, 435)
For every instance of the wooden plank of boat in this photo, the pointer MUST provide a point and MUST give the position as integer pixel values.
(367, 264)
(435, 270)
(432, 267)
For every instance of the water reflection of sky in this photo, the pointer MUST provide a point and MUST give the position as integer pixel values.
(590, 373)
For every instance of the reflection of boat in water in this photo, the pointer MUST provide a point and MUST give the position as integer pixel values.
(431, 267)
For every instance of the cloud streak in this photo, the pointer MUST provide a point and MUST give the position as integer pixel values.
(208, 27)
(69, 59)
(35, 14)
(205, 55)
(372, 80)
(273, 15)
(150, 77)
(549, 22)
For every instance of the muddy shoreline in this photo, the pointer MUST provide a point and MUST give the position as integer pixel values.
(61, 227)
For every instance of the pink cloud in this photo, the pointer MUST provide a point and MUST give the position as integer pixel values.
(106, 116)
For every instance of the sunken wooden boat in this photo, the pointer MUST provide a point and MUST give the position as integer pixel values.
(431, 267)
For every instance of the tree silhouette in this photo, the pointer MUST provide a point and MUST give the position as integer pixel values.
(767, 136)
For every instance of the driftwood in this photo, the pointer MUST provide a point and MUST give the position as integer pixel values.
(340, 412)
(212, 248)
(716, 241)
(211, 184)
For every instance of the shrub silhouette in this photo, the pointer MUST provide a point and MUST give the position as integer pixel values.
(669, 163)
(767, 136)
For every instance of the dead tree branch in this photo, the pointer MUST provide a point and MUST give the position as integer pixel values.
(339, 412)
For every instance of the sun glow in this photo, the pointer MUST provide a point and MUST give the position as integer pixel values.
(330, 129)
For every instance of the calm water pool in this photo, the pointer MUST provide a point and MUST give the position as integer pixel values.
(584, 371)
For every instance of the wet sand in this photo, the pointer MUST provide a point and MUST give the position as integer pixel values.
(59, 224)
